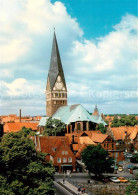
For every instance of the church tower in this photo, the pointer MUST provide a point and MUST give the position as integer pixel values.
(56, 90)
(96, 111)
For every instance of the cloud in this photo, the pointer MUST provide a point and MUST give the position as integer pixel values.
(109, 52)
(95, 70)
(13, 49)
(21, 88)
(23, 21)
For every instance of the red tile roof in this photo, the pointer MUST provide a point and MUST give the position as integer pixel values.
(48, 144)
(134, 133)
(98, 138)
(86, 140)
(82, 147)
(15, 127)
(120, 132)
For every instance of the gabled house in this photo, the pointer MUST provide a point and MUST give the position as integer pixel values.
(58, 151)
(79, 141)
(126, 139)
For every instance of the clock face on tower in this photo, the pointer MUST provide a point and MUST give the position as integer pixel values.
(59, 85)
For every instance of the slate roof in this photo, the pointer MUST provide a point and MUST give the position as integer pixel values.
(76, 112)
(55, 65)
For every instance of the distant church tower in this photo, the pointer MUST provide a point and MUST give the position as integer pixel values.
(96, 112)
(56, 90)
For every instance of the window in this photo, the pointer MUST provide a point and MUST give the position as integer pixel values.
(107, 145)
(62, 152)
(54, 149)
(59, 160)
(104, 145)
(84, 126)
(64, 160)
(66, 152)
(116, 155)
(112, 146)
(78, 126)
(69, 159)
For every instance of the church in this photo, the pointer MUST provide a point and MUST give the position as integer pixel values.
(76, 117)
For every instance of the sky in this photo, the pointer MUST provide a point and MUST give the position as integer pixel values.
(98, 44)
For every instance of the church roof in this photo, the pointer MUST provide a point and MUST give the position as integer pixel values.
(43, 121)
(76, 112)
(98, 119)
(72, 113)
(55, 65)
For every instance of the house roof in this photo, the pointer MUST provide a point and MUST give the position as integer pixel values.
(86, 140)
(81, 148)
(134, 133)
(76, 112)
(15, 127)
(98, 137)
(120, 132)
(48, 144)
(93, 136)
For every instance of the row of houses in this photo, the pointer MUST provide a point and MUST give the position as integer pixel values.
(16, 119)
(65, 151)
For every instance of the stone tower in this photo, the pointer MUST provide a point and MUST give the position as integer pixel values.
(56, 90)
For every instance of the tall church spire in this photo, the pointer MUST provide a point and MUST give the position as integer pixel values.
(55, 64)
(56, 90)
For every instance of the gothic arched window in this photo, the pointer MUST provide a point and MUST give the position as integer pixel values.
(78, 126)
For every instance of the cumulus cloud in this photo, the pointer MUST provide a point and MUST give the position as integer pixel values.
(21, 88)
(109, 52)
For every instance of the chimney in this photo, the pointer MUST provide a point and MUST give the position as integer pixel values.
(20, 115)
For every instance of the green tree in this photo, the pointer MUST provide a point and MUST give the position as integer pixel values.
(54, 127)
(96, 159)
(124, 120)
(134, 159)
(132, 188)
(102, 128)
(22, 169)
